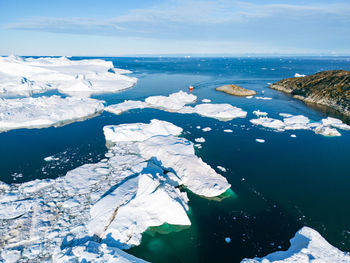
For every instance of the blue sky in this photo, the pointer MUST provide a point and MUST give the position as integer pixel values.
(132, 27)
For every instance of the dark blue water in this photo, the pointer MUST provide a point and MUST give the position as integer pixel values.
(279, 186)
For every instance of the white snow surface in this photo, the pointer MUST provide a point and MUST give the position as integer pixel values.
(326, 127)
(172, 152)
(176, 102)
(26, 76)
(45, 111)
(306, 246)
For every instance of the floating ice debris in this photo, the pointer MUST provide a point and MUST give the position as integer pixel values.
(198, 145)
(134, 188)
(228, 130)
(293, 136)
(200, 140)
(206, 129)
(263, 98)
(306, 246)
(198, 127)
(227, 240)
(285, 115)
(297, 75)
(173, 102)
(223, 169)
(300, 122)
(45, 111)
(125, 106)
(249, 97)
(176, 103)
(51, 158)
(25, 76)
(206, 100)
(140, 131)
(259, 113)
(336, 123)
(260, 140)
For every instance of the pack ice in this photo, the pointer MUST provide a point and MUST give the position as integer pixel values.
(98, 209)
(176, 102)
(306, 246)
(26, 76)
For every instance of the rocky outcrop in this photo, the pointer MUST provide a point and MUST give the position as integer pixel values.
(235, 90)
(329, 88)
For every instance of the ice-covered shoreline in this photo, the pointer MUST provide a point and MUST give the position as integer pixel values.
(116, 199)
(26, 76)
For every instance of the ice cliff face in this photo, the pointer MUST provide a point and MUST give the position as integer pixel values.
(98, 209)
(26, 76)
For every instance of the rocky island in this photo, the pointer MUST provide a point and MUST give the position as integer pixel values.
(330, 88)
(235, 90)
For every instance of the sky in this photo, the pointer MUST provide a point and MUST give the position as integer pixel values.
(177, 27)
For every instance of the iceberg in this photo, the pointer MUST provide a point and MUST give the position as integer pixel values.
(306, 246)
(97, 209)
(176, 102)
(26, 76)
(45, 111)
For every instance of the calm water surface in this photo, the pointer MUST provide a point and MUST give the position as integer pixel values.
(279, 186)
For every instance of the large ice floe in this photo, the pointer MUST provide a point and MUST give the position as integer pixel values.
(176, 102)
(45, 111)
(96, 210)
(25, 76)
(326, 127)
(306, 246)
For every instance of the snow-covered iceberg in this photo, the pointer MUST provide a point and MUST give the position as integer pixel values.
(326, 127)
(306, 246)
(176, 102)
(45, 111)
(97, 209)
(25, 76)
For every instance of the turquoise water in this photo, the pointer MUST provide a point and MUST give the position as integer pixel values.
(280, 185)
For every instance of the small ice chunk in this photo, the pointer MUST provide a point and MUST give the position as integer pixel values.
(200, 140)
(336, 123)
(297, 75)
(269, 123)
(223, 169)
(206, 100)
(228, 130)
(249, 97)
(51, 158)
(198, 127)
(259, 113)
(293, 136)
(327, 131)
(227, 240)
(285, 115)
(206, 129)
(263, 98)
(260, 140)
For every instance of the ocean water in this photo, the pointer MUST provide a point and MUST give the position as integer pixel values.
(279, 186)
